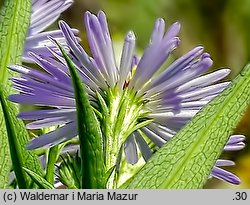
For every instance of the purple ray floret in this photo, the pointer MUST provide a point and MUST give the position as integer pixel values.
(43, 14)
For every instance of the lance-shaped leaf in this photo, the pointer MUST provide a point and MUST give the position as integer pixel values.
(89, 132)
(15, 150)
(40, 181)
(52, 158)
(14, 22)
(186, 161)
(17, 137)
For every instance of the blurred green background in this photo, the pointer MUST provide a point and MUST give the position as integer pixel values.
(221, 26)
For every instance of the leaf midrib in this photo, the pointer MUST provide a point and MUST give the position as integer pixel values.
(9, 40)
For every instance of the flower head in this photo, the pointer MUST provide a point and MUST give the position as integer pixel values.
(142, 103)
(43, 14)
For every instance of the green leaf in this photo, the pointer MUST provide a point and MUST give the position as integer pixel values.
(89, 132)
(52, 159)
(13, 144)
(40, 181)
(103, 104)
(14, 22)
(18, 137)
(186, 161)
(53, 156)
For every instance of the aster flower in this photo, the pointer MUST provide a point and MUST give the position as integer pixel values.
(43, 14)
(141, 103)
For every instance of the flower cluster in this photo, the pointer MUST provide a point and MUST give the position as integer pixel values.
(142, 103)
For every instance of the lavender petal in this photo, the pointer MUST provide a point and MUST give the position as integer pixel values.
(44, 16)
(186, 75)
(130, 150)
(101, 45)
(225, 176)
(143, 146)
(126, 57)
(175, 68)
(91, 71)
(153, 136)
(49, 122)
(55, 137)
(43, 100)
(224, 162)
(235, 143)
(41, 114)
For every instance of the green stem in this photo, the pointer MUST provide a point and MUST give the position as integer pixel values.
(50, 169)
(125, 112)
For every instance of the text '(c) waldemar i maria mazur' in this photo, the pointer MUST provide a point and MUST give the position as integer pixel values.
(77, 196)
